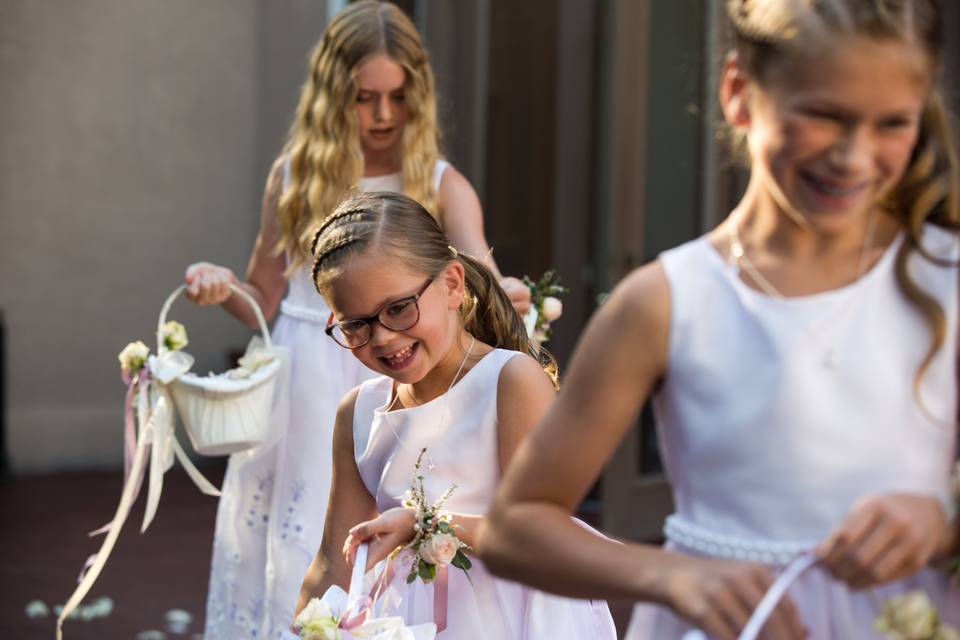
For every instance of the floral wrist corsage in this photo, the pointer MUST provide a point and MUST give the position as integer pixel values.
(435, 542)
(545, 305)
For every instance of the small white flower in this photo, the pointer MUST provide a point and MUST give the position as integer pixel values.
(908, 616)
(552, 308)
(440, 548)
(174, 335)
(134, 356)
(317, 622)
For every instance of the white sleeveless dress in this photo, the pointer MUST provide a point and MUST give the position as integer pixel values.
(459, 431)
(271, 514)
(777, 414)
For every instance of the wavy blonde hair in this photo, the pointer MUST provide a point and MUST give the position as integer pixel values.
(929, 191)
(395, 226)
(323, 146)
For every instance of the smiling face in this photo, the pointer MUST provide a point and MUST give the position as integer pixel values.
(830, 132)
(370, 283)
(381, 106)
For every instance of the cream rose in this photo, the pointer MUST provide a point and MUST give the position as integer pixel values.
(134, 356)
(552, 308)
(909, 616)
(316, 622)
(440, 548)
(174, 335)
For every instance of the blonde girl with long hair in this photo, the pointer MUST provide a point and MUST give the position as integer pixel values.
(459, 379)
(802, 356)
(366, 120)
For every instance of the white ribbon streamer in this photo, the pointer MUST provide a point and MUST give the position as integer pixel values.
(155, 431)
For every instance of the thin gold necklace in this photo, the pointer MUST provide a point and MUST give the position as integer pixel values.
(741, 260)
(443, 413)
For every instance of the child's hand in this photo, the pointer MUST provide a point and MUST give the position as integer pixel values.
(391, 529)
(518, 293)
(208, 283)
(719, 596)
(885, 538)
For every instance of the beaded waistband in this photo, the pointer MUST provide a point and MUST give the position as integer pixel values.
(702, 540)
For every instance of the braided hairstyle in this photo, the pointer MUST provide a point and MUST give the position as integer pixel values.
(765, 31)
(398, 226)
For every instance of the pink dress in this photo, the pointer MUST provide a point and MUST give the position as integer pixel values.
(459, 430)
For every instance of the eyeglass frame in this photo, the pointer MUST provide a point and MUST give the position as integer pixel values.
(370, 320)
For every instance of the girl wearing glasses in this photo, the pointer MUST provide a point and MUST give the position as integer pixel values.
(459, 378)
(367, 119)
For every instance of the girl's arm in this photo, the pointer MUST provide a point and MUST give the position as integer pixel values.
(208, 283)
(524, 392)
(529, 534)
(349, 503)
(462, 220)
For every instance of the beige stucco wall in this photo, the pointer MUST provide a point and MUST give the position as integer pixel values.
(134, 139)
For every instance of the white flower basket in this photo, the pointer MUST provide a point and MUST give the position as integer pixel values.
(224, 414)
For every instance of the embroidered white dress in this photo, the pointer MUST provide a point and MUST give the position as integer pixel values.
(777, 414)
(459, 431)
(271, 513)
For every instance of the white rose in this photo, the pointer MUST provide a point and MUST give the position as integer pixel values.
(440, 548)
(910, 616)
(316, 621)
(174, 335)
(552, 308)
(134, 356)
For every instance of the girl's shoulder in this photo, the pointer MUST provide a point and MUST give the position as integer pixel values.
(519, 367)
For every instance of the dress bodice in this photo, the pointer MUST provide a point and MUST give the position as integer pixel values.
(776, 414)
(458, 429)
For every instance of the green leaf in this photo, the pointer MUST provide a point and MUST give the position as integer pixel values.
(411, 577)
(461, 561)
(424, 569)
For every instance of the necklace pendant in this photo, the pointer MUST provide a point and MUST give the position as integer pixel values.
(829, 360)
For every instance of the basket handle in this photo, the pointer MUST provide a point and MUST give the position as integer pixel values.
(235, 289)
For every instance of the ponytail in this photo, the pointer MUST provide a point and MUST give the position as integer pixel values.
(488, 316)
(400, 226)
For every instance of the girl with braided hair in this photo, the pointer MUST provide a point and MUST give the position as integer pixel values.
(366, 121)
(461, 380)
(802, 356)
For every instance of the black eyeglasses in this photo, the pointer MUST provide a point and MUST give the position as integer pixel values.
(398, 315)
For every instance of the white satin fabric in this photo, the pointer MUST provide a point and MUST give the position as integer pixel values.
(459, 431)
(776, 415)
(271, 515)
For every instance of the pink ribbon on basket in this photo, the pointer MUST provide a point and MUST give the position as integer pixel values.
(141, 381)
(364, 605)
